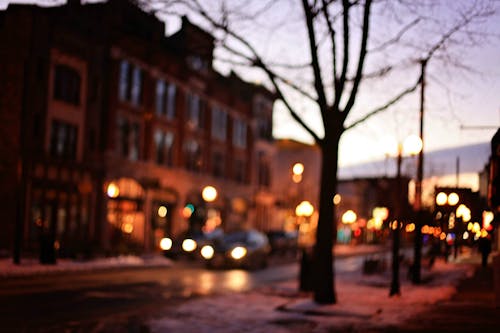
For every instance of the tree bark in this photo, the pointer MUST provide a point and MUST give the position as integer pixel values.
(326, 233)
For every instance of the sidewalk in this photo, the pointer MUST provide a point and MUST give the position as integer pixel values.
(471, 309)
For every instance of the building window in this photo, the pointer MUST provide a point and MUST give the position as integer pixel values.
(239, 171)
(195, 111)
(164, 147)
(264, 174)
(193, 160)
(239, 133)
(165, 99)
(219, 124)
(218, 164)
(63, 138)
(130, 85)
(128, 139)
(197, 63)
(264, 128)
(67, 84)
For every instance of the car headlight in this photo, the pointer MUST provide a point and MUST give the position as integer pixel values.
(207, 252)
(165, 244)
(189, 245)
(238, 252)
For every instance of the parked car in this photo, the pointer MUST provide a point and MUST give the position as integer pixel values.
(247, 249)
(189, 243)
(283, 242)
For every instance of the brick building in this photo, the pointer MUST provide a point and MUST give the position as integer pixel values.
(108, 129)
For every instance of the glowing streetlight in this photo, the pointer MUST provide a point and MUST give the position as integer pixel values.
(298, 169)
(464, 212)
(349, 217)
(209, 193)
(112, 190)
(441, 199)
(412, 145)
(488, 218)
(337, 199)
(166, 244)
(453, 199)
(162, 211)
(305, 208)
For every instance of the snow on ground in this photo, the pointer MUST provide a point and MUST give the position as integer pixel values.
(363, 304)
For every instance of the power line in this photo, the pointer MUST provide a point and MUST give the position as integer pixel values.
(478, 127)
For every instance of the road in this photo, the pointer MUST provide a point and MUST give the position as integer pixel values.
(95, 301)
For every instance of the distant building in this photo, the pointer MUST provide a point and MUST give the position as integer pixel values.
(108, 129)
(292, 190)
(360, 195)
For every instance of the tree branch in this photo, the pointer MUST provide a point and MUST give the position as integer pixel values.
(393, 101)
(396, 38)
(331, 32)
(340, 88)
(281, 96)
(361, 60)
(318, 81)
(257, 62)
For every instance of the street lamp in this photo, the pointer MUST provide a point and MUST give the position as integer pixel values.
(304, 211)
(412, 146)
(209, 195)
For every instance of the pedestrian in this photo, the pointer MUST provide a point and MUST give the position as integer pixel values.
(484, 246)
(434, 251)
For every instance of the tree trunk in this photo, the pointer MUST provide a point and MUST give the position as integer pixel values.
(324, 286)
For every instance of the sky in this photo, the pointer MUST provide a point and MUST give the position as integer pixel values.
(456, 99)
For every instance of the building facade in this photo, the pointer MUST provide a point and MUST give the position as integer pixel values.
(110, 130)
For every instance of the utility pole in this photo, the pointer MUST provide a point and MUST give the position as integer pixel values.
(395, 285)
(417, 256)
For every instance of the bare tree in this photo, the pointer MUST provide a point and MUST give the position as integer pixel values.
(328, 74)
